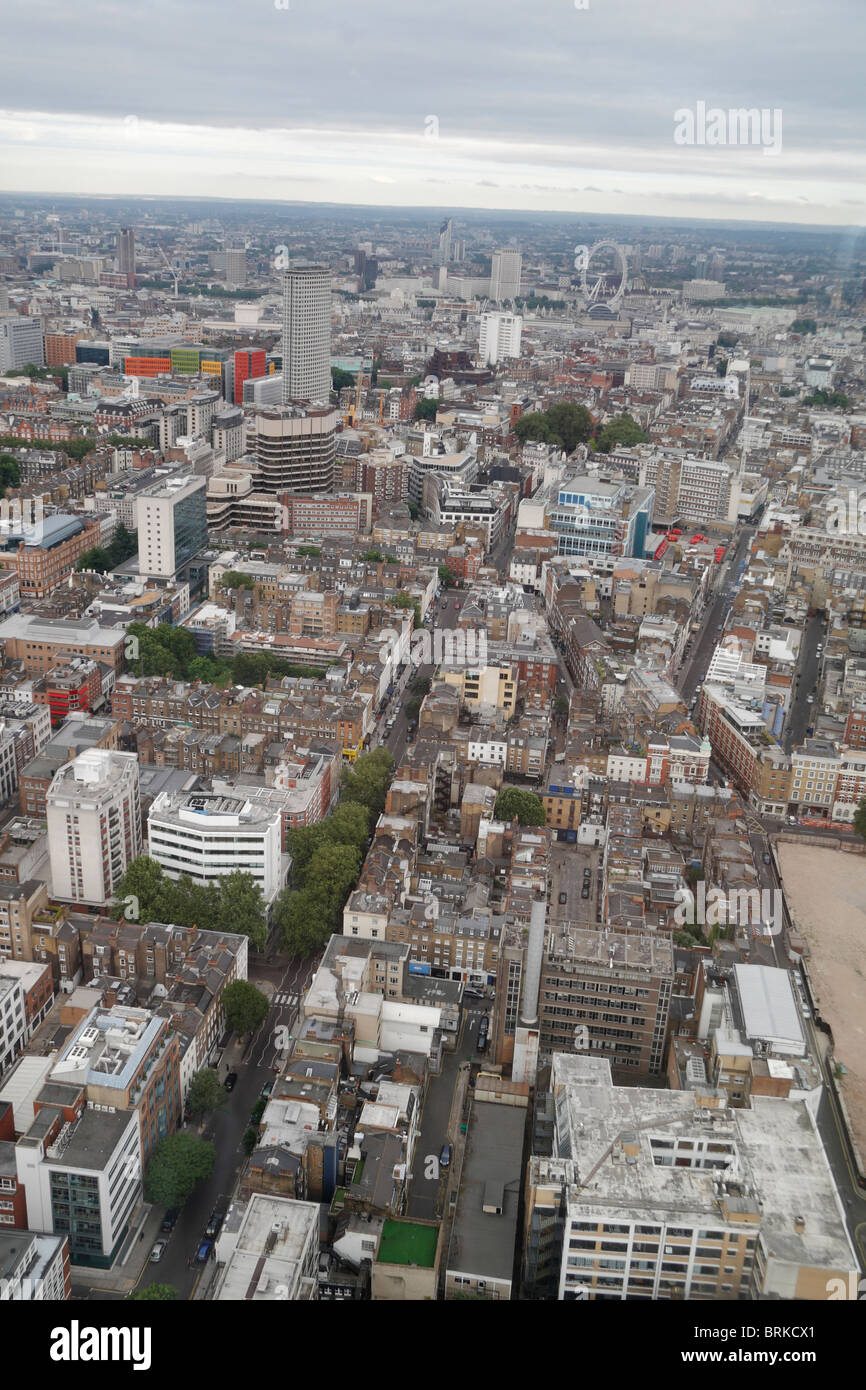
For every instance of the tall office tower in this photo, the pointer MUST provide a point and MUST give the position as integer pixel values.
(307, 334)
(443, 251)
(126, 254)
(499, 337)
(93, 812)
(296, 448)
(4, 300)
(236, 266)
(505, 275)
(21, 343)
(172, 524)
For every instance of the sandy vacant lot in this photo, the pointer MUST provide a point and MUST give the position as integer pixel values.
(826, 895)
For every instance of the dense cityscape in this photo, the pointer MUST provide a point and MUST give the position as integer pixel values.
(432, 756)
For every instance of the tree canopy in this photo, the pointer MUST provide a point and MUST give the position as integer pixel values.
(146, 894)
(327, 857)
(176, 1165)
(153, 1293)
(621, 430)
(246, 1008)
(427, 409)
(525, 805)
(565, 424)
(205, 1092)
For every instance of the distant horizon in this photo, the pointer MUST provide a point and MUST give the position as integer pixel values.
(439, 210)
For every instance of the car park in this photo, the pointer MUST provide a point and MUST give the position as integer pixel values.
(158, 1251)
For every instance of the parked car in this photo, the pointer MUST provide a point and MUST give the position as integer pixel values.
(266, 1089)
(169, 1221)
(204, 1252)
(231, 1081)
(158, 1251)
(584, 892)
(445, 1156)
(563, 898)
(216, 1220)
(768, 859)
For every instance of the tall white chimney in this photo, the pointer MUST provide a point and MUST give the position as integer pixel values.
(534, 957)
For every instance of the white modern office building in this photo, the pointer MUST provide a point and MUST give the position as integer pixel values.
(499, 337)
(21, 343)
(306, 334)
(208, 835)
(94, 825)
(172, 524)
(505, 275)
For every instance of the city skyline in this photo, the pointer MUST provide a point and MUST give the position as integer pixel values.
(579, 115)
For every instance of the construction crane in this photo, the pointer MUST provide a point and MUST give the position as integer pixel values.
(171, 268)
(354, 410)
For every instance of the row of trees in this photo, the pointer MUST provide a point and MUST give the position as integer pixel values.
(171, 651)
(234, 903)
(327, 857)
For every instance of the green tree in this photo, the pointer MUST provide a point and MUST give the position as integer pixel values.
(373, 556)
(446, 578)
(153, 1293)
(339, 378)
(242, 908)
(302, 921)
(368, 781)
(860, 819)
(144, 894)
(804, 326)
(313, 551)
(205, 1092)
(621, 430)
(534, 427)
(96, 559)
(249, 1139)
(176, 1165)
(246, 1008)
(235, 579)
(427, 409)
(570, 424)
(525, 805)
(561, 706)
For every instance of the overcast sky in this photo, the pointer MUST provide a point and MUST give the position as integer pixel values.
(539, 106)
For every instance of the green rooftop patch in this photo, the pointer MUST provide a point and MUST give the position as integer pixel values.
(408, 1243)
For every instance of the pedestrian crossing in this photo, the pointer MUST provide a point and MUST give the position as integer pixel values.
(285, 999)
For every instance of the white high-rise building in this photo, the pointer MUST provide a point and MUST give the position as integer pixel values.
(236, 266)
(208, 835)
(93, 812)
(21, 343)
(307, 334)
(172, 524)
(505, 275)
(499, 337)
